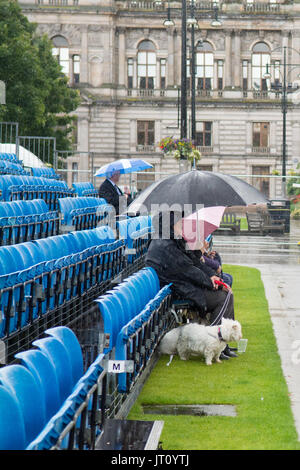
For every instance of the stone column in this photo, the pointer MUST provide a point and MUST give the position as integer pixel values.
(295, 53)
(170, 59)
(228, 59)
(237, 59)
(122, 56)
(84, 74)
(177, 57)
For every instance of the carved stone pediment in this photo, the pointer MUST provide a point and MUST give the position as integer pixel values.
(69, 31)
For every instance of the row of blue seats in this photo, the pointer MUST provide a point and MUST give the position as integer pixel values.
(122, 303)
(83, 212)
(45, 172)
(52, 372)
(85, 189)
(135, 341)
(39, 276)
(13, 187)
(129, 308)
(125, 308)
(136, 231)
(33, 390)
(22, 221)
(12, 157)
(11, 168)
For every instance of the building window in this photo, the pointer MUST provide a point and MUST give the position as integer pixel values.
(259, 182)
(130, 72)
(204, 67)
(146, 65)
(145, 134)
(260, 135)
(204, 167)
(260, 59)
(245, 75)
(76, 68)
(162, 74)
(61, 52)
(203, 134)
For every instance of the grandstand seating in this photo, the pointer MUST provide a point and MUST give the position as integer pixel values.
(42, 270)
(83, 212)
(11, 157)
(40, 275)
(85, 189)
(45, 172)
(38, 385)
(136, 231)
(21, 187)
(124, 309)
(8, 167)
(22, 221)
(52, 370)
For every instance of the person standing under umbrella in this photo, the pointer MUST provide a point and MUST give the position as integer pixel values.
(110, 191)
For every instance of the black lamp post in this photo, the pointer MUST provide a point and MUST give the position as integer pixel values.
(284, 90)
(193, 24)
(183, 119)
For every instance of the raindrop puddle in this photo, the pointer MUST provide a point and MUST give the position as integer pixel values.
(192, 410)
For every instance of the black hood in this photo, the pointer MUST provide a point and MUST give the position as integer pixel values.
(163, 224)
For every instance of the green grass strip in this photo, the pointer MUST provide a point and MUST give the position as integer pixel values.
(253, 382)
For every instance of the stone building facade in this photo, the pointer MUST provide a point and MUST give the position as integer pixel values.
(127, 66)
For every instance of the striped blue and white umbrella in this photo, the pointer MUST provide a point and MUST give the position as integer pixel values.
(124, 165)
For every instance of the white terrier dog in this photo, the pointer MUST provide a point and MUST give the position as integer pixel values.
(193, 339)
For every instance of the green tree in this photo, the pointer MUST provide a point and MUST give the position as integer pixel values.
(37, 93)
(291, 191)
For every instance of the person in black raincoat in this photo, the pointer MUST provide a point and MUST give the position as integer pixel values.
(191, 279)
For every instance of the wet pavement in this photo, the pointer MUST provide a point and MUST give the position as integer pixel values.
(278, 259)
(257, 249)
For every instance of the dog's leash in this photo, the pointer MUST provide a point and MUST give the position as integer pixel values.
(222, 311)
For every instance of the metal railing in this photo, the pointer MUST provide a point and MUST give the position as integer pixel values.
(262, 7)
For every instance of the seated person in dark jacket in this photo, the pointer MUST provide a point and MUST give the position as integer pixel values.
(191, 279)
(111, 192)
(212, 259)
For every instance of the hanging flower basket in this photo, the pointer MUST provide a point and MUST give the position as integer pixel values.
(181, 149)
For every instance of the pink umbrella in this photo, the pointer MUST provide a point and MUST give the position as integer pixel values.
(197, 226)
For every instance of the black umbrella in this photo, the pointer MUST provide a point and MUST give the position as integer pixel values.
(197, 187)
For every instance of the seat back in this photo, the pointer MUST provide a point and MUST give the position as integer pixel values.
(12, 429)
(20, 382)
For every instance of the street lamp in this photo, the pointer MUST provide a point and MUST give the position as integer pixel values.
(284, 90)
(192, 23)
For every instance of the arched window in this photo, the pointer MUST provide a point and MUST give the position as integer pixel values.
(61, 52)
(146, 65)
(204, 66)
(260, 59)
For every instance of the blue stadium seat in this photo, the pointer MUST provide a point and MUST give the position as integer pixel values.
(12, 429)
(71, 343)
(57, 353)
(25, 389)
(44, 371)
(85, 189)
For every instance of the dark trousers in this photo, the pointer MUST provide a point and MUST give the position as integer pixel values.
(215, 300)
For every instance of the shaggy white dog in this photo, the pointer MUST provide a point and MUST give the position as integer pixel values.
(193, 339)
